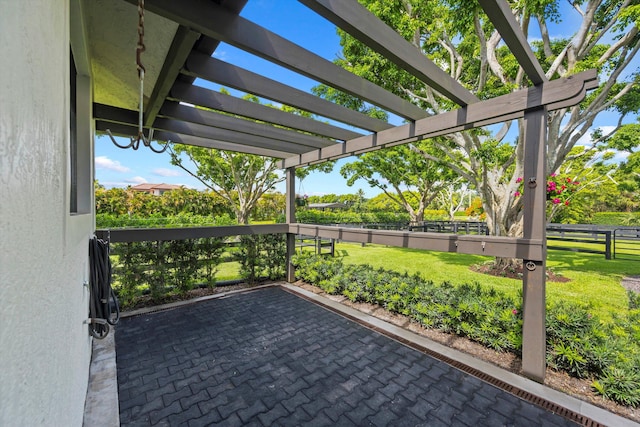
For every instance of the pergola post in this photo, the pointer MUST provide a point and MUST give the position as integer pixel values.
(535, 194)
(290, 217)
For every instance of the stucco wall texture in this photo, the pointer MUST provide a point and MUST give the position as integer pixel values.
(44, 346)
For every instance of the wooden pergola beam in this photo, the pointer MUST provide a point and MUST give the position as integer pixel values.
(155, 234)
(505, 22)
(356, 20)
(219, 23)
(232, 105)
(186, 113)
(120, 129)
(182, 44)
(534, 227)
(129, 117)
(221, 72)
(531, 249)
(554, 94)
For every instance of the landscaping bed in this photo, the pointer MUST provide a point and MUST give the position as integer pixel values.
(595, 360)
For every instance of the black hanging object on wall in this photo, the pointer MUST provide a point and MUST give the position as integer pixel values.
(103, 303)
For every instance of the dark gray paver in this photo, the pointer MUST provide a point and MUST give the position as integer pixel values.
(271, 358)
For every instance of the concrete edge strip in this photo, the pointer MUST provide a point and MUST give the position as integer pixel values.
(588, 414)
(172, 305)
(101, 406)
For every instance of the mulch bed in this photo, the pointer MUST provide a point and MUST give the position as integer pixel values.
(514, 272)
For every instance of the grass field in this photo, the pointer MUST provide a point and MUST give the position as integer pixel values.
(593, 279)
(228, 271)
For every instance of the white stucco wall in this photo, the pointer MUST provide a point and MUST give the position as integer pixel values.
(44, 346)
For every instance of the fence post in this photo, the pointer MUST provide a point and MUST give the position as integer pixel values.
(290, 217)
(607, 244)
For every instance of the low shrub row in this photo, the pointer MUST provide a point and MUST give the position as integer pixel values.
(164, 268)
(158, 221)
(616, 218)
(577, 342)
(316, 216)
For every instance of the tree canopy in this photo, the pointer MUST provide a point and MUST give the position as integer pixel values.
(467, 46)
(239, 179)
(403, 174)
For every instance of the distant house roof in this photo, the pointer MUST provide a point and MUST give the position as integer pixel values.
(155, 188)
(335, 205)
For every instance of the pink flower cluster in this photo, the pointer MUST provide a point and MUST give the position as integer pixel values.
(558, 189)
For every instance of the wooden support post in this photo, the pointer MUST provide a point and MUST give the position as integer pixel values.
(534, 311)
(290, 218)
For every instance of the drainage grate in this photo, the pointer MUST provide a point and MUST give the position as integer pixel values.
(522, 394)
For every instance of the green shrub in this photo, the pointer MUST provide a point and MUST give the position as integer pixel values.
(622, 385)
(110, 221)
(634, 299)
(315, 216)
(262, 256)
(485, 316)
(162, 268)
(616, 218)
(577, 342)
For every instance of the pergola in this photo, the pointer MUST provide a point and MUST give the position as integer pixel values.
(181, 38)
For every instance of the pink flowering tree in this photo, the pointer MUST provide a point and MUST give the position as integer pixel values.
(560, 189)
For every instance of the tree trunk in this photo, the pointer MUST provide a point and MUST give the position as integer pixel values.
(503, 220)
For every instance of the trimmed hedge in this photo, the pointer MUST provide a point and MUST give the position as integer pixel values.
(316, 216)
(157, 221)
(616, 218)
(174, 267)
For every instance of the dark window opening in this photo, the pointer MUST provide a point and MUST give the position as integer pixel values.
(73, 135)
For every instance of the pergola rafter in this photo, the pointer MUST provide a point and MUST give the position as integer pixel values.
(221, 24)
(217, 71)
(179, 109)
(356, 20)
(232, 105)
(555, 94)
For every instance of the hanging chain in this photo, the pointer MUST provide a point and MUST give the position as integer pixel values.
(140, 47)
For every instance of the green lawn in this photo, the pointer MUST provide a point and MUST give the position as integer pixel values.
(228, 271)
(593, 279)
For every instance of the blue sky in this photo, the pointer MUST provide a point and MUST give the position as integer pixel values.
(289, 18)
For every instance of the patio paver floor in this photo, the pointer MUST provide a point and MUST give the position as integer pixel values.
(269, 357)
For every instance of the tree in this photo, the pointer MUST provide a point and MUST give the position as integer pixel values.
(239, 179)
(465, 43)
(269, 207)
(452, 197)
(582, 185)
(628, 173)
(402, 173)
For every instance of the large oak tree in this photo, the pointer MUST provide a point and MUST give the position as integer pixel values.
(457, 35)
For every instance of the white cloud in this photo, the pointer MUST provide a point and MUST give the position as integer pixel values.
(103, 162)
(112, 184)
(220, 54)
(199, 187)
(136, 180)
(621, 156)
(585, 140)
(166, 172)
